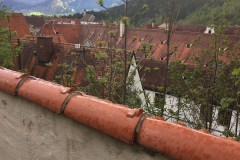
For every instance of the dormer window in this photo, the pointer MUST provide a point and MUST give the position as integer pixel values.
(57, 32)
(209, 30)
(189, 45)
(223, 49)
(91, 33)
(163, 42)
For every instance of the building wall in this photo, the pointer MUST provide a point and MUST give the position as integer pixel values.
(137, 81)
(30, 132)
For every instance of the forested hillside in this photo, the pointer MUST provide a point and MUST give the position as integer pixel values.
(156, 10)
(230, 8)
(189, 11)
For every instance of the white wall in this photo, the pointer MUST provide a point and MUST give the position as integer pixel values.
(190, 114)
(137, 81)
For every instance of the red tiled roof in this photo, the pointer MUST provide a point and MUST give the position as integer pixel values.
(189, 28)
(18, 24)
(62, 20)
(186, 41)
(88, 18)
(67, 32)
(60, 53)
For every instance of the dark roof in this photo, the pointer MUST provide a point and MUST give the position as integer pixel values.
(190, 28)
(152, 73)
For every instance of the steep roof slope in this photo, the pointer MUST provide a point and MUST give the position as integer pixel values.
(18, 24)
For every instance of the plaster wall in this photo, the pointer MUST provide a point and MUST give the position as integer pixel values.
(31, 132)
(137, 84)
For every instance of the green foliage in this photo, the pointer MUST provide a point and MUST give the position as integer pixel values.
(125, 20)
(226, 102)
(112, 34)
(147, 49)
(100, 2)
(3, 10)
(101, 55)
(229, 8)
(236, 72)
(145, 7)
(67, 69)
(154, 11)
(148, 11)
(101, 43)
(8, 51)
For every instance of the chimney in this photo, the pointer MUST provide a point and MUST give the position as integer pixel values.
(104, 23)
(84, 12)
(153, 25)
(122, 29)
(44, 48)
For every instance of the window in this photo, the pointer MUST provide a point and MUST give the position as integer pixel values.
(42, 63)
(224, 117)
(158, 99)
(205, 113)
(188, 45)
(163, 42)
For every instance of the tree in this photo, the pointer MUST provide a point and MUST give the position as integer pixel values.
(210, 86)
(8, 51)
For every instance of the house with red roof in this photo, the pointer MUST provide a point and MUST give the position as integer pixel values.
(148, 45)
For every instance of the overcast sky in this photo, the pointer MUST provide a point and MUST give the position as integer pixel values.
(30, 1)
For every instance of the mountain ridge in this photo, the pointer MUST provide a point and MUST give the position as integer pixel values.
(55, 7)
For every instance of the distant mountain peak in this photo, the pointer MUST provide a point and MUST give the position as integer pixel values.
(51, 7)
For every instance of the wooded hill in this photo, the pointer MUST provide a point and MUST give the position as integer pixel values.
(189, 11)
(230, 8)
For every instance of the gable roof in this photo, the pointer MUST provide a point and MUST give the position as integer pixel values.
(88, 18)
(69, 33)
(187, 41)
